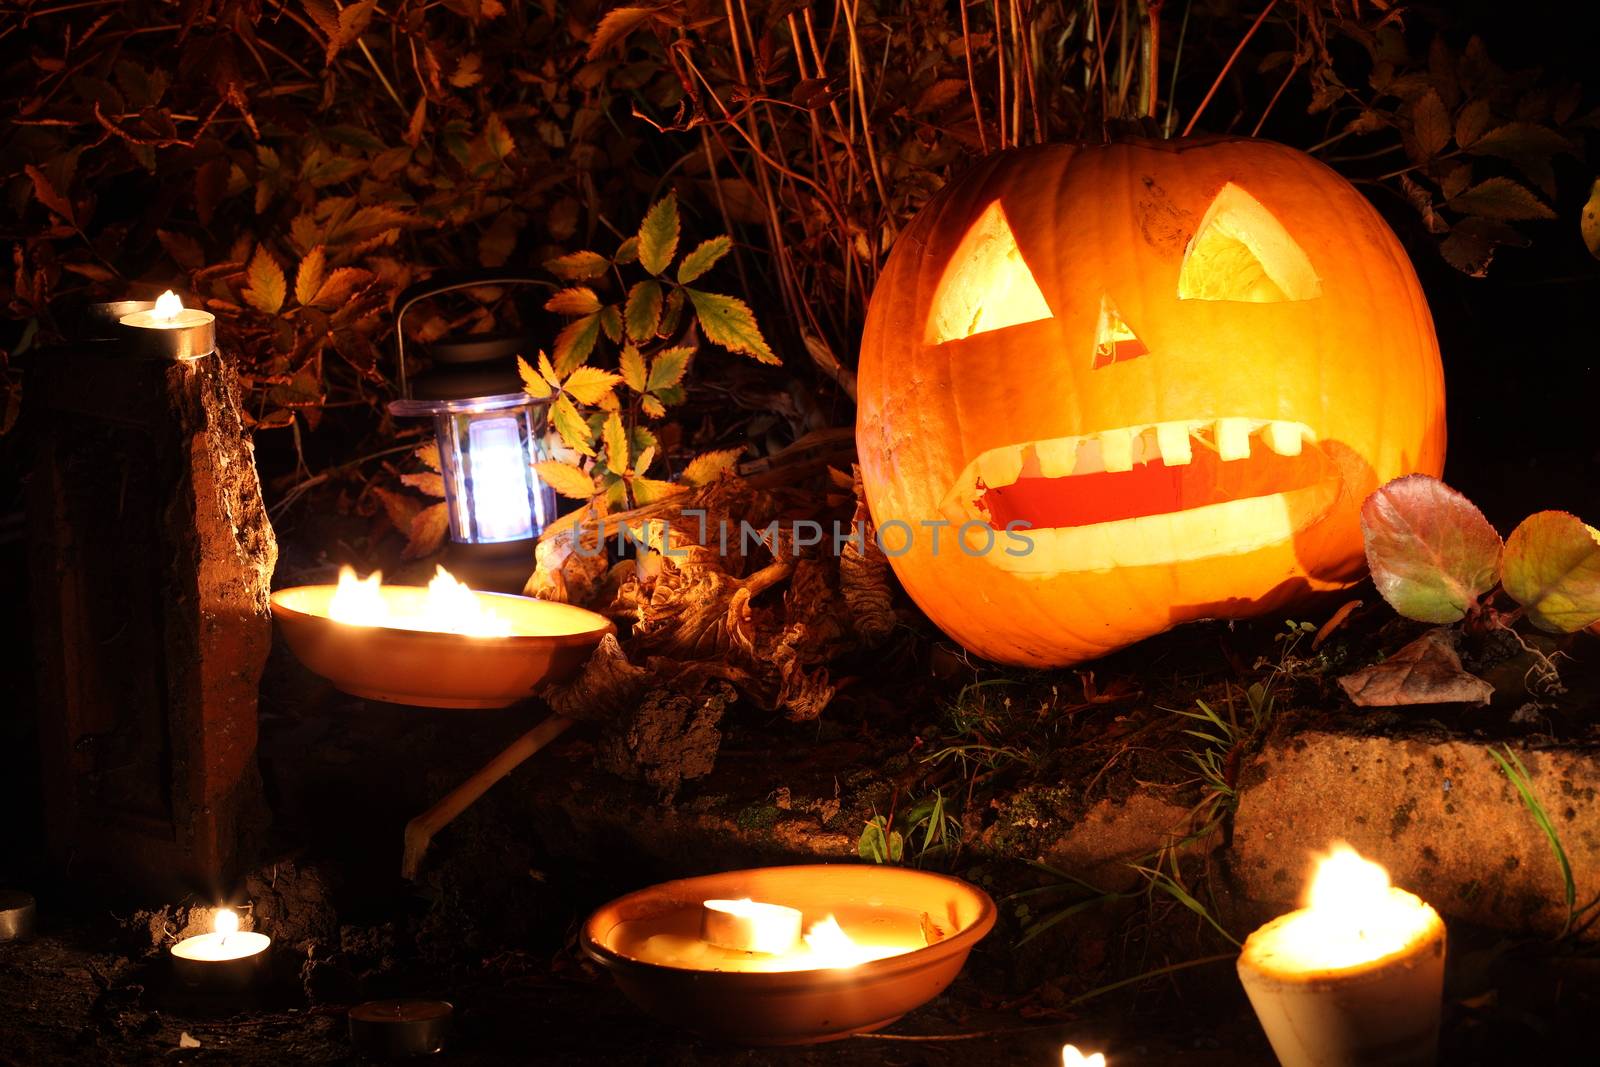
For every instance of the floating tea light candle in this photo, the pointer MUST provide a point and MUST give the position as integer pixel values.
(1354, 978)
(225, 959)
(171, 331)
(750, 926)
(448, 607)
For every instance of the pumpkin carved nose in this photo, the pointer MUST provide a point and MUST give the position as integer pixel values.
(1114, 339)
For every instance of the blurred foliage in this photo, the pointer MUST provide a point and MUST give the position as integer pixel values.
(294, 163)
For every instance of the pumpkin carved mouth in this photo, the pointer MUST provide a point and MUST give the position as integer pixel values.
(1144, 495)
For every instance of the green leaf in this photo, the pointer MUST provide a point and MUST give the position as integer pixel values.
(1432, 553)
(627, 252)
(633, 369)
(578, 266)
(658, 235)
(704, 258)
(1552, 568)
(578, 300)
(644, 310)
(709, 466)
(668, 368)
(564, 478)
(1589, 223)
(615, 436)
(265, 287)
(532, 384)
(729, 322)
(570, 425)
(611, 323)
(1501, 198)
(589, 385)
(575, 342)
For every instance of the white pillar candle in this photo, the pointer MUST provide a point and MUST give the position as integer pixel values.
(750, 926)
(1355, 978)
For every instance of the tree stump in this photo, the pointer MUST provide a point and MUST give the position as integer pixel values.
(151, 558)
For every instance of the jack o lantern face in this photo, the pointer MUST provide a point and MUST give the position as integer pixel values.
(1179, 368)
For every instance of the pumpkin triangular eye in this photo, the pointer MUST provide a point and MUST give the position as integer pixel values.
(1240, 252)
(986, 285)
(1114, 339)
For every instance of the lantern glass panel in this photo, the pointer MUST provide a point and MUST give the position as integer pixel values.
(485, 458)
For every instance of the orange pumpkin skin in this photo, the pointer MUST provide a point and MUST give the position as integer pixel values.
(1326, 335)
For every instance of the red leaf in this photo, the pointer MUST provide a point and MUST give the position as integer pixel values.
(1432, 553)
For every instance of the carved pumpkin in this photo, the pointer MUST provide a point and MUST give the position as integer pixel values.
(1174, 369)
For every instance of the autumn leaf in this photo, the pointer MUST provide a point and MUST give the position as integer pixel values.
(47, 194)
(587, 385)
(339, 286)
(1432, 553)
(668, 368)
(644, 310)
(729, 322)
(642, 461)
(709, 466)
(353, 22)
(1430, 126)
(575, 342)
(324, 14)
(570, 425)
(564, 478)
(1552, 568)
(467, 72)
(703, 258)
(428, 528)
(658, 234)
(618, 23)
(1501, 198)
(652, 406)
(532, 383)
(498, 138)
(428, 455)
(578, 300)
(650, 490)
(1427, 671)
(611, 323)
(616, 440)
(308, 279)
(627, 251)
(633, 368)
(578, 266)
(184, 250)
(265, 287)
(1472, 122)
(401, 508)
(430, 483)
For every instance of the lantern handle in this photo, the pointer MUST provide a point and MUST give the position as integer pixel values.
(447, 282)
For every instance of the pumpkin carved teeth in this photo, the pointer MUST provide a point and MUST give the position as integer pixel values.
(1135, 471)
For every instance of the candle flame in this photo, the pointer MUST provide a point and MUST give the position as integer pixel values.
(168, 304)
(225, 921)
(449, 607)
(1071, 1057)
(1346, 885)
(832, 947)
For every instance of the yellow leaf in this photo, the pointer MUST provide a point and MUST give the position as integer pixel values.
(643, 311)
(547, 372)
(308, 279)
(587, 385)
(642, 462)
(467, 72)
(340, 286)
(432, 484)
(649, 490)
(428, 455)
(578, 266)
(572, 428)
(633, 369)
(669, 366)
(564, 478)
(575, 342)
(709, 466)
(616, 438)
(265, 286)
(652, 407)
(532, 383)
(729, 322)
(578, 300)
(618, 23)
(658, 234)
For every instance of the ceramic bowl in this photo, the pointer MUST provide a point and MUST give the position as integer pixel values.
(796, 1007)
(440, 670)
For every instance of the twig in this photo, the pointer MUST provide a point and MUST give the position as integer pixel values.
(1223, 73)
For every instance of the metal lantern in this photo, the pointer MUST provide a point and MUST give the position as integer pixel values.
(490, 434)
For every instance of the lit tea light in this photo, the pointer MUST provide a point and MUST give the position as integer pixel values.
(225, 959)
(1071, 1057)
(1354, 977)
(750, 926)
(448, 606)
(171, 331)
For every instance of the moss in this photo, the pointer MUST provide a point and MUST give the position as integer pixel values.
(757, 817)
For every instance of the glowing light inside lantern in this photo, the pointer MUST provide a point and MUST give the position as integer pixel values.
(1071, 1057)
(169, 305)
(499, 480)
(1353, 915)
(449, 606)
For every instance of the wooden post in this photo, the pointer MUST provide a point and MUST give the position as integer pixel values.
(151, 559)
